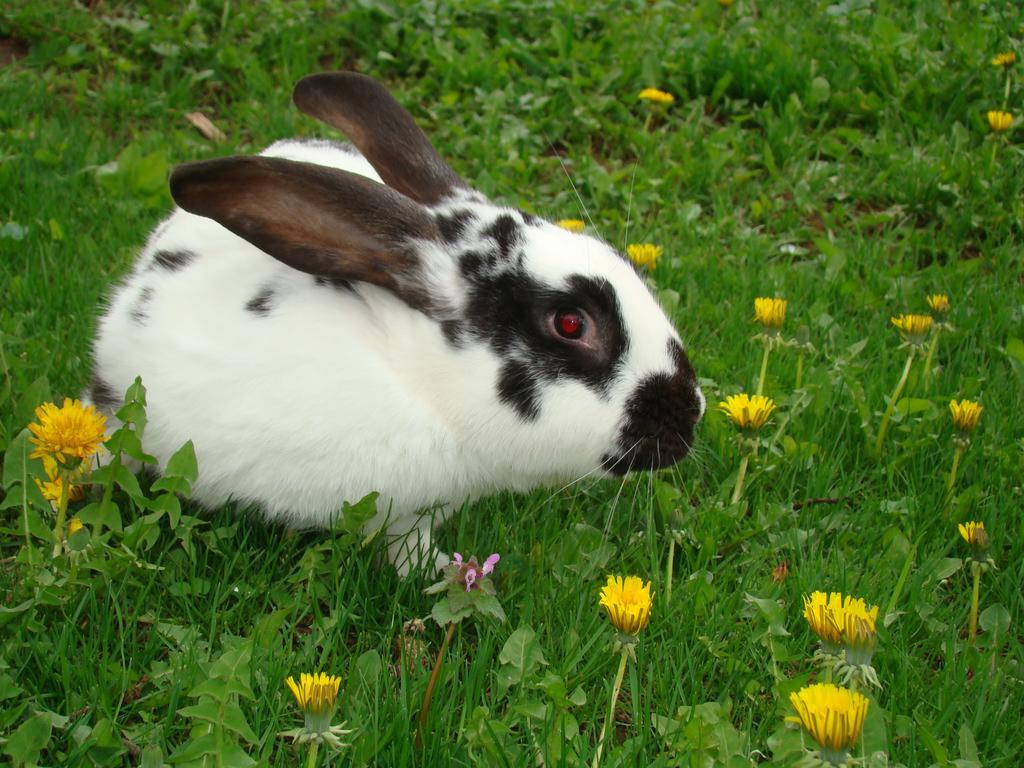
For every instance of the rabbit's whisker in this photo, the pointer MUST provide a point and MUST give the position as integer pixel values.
(622, 485)
(579, 199)
(598, 468)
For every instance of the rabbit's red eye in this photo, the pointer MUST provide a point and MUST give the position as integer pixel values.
(569, 324)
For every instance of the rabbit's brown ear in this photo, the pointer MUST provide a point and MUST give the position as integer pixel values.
(323, 221)
(382, 130)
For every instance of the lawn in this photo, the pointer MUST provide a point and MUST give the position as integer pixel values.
(836, 154)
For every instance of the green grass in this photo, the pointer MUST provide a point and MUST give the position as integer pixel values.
(834, 156)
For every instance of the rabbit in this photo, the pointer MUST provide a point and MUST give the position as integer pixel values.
(326, 319)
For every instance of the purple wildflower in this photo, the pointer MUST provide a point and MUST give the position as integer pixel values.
(470, 572)
(490, 562)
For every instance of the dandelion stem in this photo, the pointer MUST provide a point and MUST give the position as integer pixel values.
(900, 582)
(611, 708)
(311, 757)
(62, 513)
(884, 426)
(668, 568)
(429, 693)
(738, 490)
(976, 572)
(799, 371)
(764, 370)
(929, 358)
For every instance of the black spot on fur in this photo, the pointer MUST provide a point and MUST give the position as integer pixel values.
(511, 312)
(472, 265)
(103, 395)
(140, 310)
(453, 332)
(529, 219)
(172, 260)
(334, 282)
(660, 417)
(507, 233)
(517, 386)
(261, 303)
(453, 226)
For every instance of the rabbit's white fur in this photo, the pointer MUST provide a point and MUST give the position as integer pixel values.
(332, 393)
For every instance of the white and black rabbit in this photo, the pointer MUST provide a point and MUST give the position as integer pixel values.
(326, 320)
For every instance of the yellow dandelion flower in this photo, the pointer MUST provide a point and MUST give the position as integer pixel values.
(656, 96)
(74, 526)
(913, 328)
(628, 603)
(315, 694)
(974, 534)
(748, 413)
(999, 121)
(573, 225)
(54, 482)
(771, 313)
(725, 3)
(72, 431)
(51, 490)
(859, 634)
(913, 325)
(823, 612)
(1004, 60)
(841, 621)
(857, 609)
(938, 303)
(966, 414)
(644, 254)
(833, 716)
